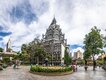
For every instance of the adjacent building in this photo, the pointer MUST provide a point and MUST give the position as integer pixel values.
(55, 43)
(78, 55)
(102, 56)
(9, 46)
(7, 51)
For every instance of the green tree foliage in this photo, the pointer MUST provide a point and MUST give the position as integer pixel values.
(93, 44)
(35, 50)
(24, 48)
(104, 40)
(1, 49)
(6, 59)
(67, 58)
(24, 57)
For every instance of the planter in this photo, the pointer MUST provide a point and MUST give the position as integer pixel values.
(52, 74)
(51, 71)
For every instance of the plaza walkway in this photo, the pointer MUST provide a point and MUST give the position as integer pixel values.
(23, 74)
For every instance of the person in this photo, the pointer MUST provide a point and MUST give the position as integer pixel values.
(74, 66)
(86, 65)
(46, 61)
(17, 63)
(99, 65)
(14, 64)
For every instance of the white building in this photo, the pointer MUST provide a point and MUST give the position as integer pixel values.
(55, 43)
(78, 55)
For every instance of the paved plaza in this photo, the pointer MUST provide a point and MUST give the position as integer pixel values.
(23, 74)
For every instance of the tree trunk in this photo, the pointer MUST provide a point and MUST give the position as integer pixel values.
(38, 60)
(93, 63)
(86, 65)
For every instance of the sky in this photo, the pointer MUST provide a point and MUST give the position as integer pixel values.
(23, 20)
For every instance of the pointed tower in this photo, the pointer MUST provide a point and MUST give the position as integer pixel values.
(8, 46)
(54, 33)
(53, 21)
(54, 42)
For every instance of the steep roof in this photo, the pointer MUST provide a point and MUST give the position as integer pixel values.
(53, 21)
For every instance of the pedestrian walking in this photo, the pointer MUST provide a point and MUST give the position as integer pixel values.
(17, 64)
(14, 64)
(74, 66)
(86, 66)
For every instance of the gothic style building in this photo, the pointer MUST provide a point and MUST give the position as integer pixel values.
(55, 43)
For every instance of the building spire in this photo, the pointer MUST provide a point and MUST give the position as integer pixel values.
(8, 46)
(9, 40)
(53, 21)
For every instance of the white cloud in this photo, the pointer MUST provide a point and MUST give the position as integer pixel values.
(75, 17)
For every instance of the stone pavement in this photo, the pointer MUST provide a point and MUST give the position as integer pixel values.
(23, 74)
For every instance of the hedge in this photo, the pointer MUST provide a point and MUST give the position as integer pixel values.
(48, 70)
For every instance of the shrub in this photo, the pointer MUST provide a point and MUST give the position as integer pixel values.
(49, 70)
(1, 66)
(1, 63)
(6, 59)
(4, 65)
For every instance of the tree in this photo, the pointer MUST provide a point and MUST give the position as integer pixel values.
(6, 60)
(93, 44)
(36, 51)
(1, 49)
(104, 40)
(104, 60)
(24, 57)
(67, 58)
(24, 48)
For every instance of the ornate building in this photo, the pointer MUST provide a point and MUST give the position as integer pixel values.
(54, 43)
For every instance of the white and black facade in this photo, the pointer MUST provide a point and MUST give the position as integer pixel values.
(54, 42)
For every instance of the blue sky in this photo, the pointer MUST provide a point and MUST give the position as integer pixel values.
(74, 46)
(23, 20)
(3, 34)
(23, 12)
